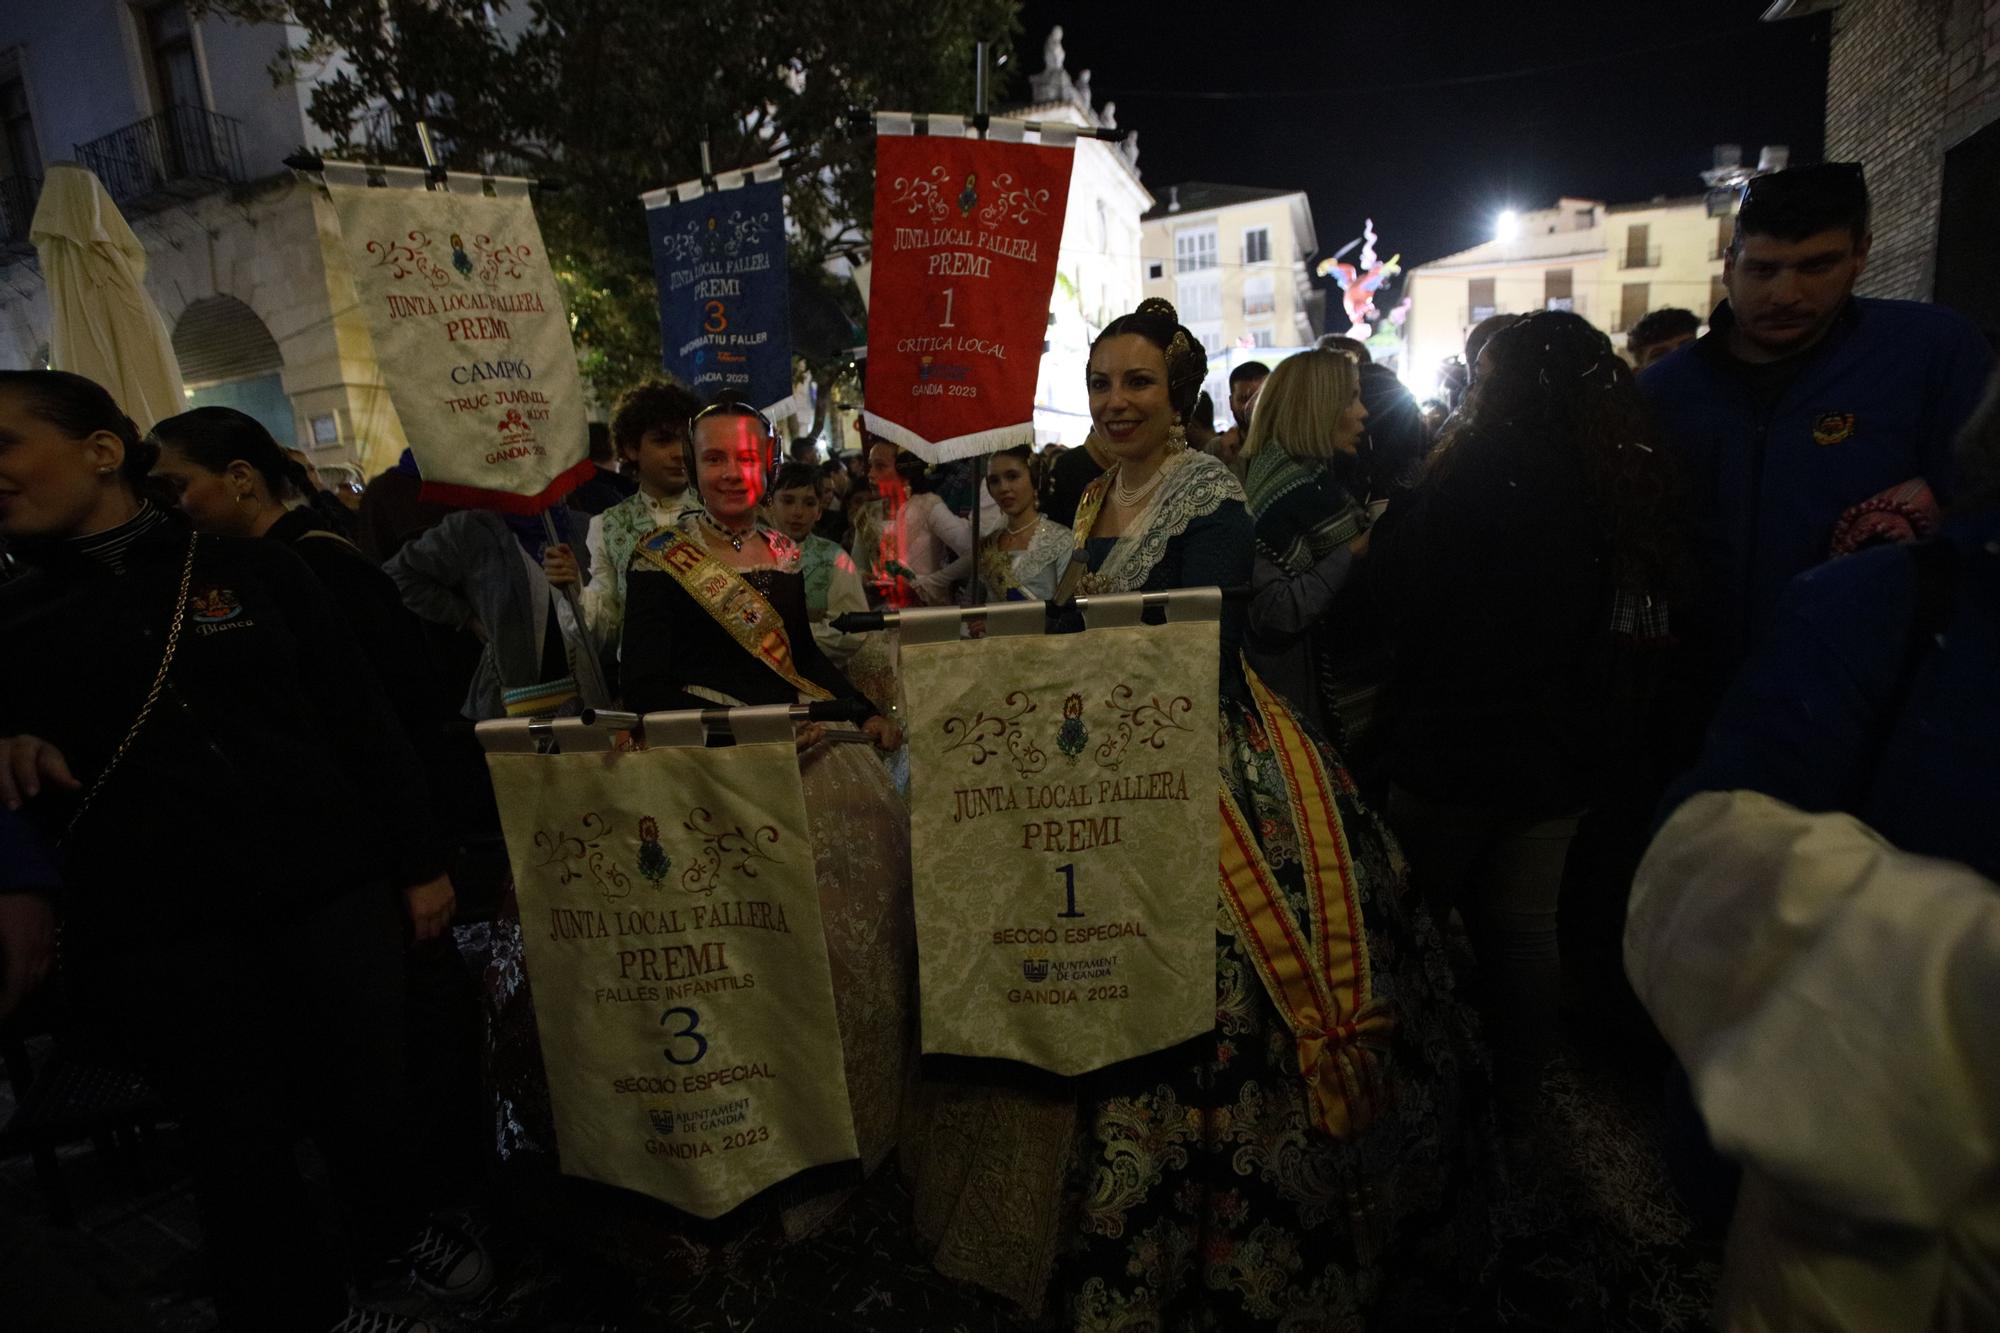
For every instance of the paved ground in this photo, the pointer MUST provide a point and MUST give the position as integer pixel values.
(1594, 1242)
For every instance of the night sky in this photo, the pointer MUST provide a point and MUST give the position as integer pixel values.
(1380, 114)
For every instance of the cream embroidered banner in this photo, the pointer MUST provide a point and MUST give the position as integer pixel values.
(474, 344)
(673, 941)
(1064, 832)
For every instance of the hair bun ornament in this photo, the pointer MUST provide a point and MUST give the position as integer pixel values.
(1161, 306)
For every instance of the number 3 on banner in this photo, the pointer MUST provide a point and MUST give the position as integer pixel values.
(718, 318)
(687, 1033)
(1068, 873)
(947, 324)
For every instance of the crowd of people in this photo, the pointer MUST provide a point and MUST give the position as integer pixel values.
(1738, 590)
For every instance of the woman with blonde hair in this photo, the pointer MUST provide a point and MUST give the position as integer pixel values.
(1311, 532)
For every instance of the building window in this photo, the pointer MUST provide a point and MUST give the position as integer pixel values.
(1479, 299)
(1156, 270)
(1639, 250)
(1261, 338)
(1257, 245)
(1211, 342)
(19, 155)
(1586, 218)
(1632, 308)
(1557, 293)
(1194, 250)
(1260, 296)
(176, 80)
(1199, 298)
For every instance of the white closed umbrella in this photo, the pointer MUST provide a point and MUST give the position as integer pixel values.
(106, 326)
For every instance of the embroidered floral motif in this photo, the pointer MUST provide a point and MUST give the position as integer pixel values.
(582, 855)
(1141, 723)
(987, 734)
(734, 849)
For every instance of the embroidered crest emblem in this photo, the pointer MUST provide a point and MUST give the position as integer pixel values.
(212, 606)
(654, 863)
(1074, 733)
(1833, 427)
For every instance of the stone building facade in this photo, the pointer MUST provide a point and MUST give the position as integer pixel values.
(1913, 93)
(180, 119)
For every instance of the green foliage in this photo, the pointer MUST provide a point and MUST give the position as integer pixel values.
(613, 98)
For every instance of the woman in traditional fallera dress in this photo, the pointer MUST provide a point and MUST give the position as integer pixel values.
(690, 643)
(1022, 561)
(1311, 1163)
(716, 615)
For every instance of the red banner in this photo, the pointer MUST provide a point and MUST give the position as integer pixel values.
(966, 233)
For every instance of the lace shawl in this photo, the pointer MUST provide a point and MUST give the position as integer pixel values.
(1195, 484)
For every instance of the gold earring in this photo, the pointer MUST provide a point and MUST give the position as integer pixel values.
(1176, 435)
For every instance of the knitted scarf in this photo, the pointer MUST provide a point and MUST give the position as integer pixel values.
(1300, 513)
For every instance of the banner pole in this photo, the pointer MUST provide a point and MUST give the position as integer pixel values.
(979, 123)
(590, 669)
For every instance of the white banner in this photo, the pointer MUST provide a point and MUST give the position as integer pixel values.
(473, 341)
(1064, 831)
(673, 939)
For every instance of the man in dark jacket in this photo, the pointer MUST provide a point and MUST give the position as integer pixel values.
(1873, 693)
(1803, 400)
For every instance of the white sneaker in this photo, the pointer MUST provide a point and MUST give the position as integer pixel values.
(449, 1264)
(361, 1319)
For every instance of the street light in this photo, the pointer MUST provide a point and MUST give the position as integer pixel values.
(1507, 226)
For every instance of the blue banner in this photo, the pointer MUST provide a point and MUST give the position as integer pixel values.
(725, 314)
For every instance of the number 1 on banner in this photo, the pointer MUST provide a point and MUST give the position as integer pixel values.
(1068, 873)
(947, 311)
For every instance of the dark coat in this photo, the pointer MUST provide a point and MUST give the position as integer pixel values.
(1841, 710)
(1878, 401)
(1493, 589)
(271, 774)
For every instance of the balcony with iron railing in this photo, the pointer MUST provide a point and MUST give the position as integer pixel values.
(181, 153)
(18, 196)
(1637, 258)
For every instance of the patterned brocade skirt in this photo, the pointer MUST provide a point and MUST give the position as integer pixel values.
(1197, 1192)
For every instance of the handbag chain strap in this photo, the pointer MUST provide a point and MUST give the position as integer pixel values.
(152, 696)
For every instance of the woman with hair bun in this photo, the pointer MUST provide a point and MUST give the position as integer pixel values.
(231, 479)
(1306, 1163)
(1023, 560)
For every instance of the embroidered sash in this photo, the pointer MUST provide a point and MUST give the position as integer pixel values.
(727, 596)
(1322, 987)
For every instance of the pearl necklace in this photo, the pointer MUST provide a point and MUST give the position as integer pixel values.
(1133, 497)
(1015, 532)
(735, 539)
